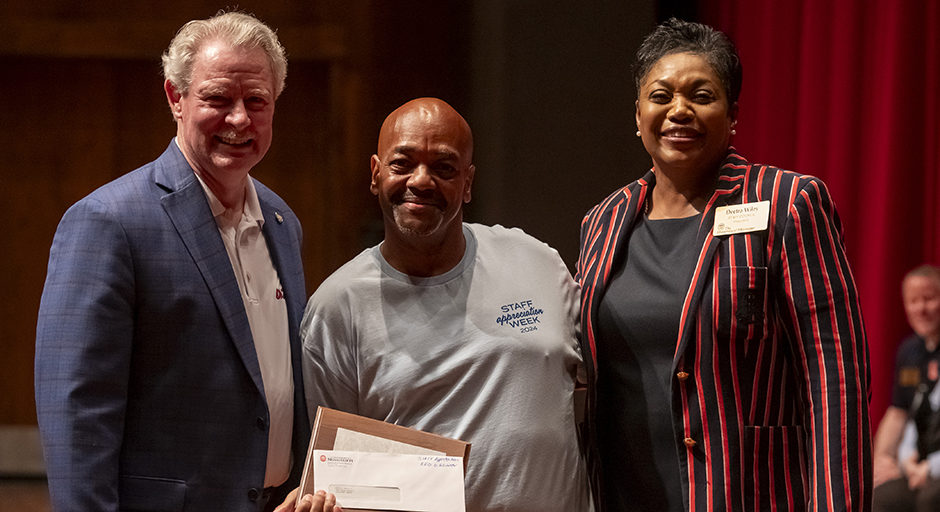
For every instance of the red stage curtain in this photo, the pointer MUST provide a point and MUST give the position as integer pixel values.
(849, 91)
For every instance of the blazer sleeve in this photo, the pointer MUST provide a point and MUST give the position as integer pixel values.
(83, 351)
(820, 312)
(583, 238)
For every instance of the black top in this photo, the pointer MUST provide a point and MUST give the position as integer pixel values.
(911, 368)
(638, 330)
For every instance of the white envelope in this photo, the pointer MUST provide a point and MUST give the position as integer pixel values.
(391, 481)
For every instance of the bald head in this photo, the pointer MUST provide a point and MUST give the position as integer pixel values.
(422, 174)
(920, 291)
(435, 118)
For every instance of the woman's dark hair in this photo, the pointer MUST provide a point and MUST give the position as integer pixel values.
(677, 36)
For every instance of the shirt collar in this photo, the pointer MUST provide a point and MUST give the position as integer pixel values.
(251, 209)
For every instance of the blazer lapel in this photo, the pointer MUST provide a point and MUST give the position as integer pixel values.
(188, 209)
(282, 236)
(727, 192)
(282, 244)
(608, 246)
(284, 256)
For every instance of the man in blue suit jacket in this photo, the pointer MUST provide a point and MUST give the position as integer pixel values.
(167, 354)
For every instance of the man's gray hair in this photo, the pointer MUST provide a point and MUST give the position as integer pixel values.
(240, 30)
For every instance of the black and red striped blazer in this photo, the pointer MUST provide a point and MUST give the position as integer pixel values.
(770, 383)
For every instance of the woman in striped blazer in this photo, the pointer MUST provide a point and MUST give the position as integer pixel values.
(726, 354)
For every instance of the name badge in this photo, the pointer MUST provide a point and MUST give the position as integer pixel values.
(741, 218)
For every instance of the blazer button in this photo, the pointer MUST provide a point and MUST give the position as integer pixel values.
(682, 375)
(261, 423)
(253, 494)
(689, 442)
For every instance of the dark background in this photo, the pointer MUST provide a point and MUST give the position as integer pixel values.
(545, 85)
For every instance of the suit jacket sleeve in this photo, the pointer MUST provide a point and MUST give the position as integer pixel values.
(83, 351)
(820, 313)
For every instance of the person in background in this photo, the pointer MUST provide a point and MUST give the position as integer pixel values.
(907, 444)
(463, 330)
(167, 348)
(723, 338)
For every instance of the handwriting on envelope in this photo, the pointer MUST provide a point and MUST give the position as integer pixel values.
(391, 481)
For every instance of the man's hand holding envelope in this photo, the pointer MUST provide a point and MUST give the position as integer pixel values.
(321, 501)
(366, 464)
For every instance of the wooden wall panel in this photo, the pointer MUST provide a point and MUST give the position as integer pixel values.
(86, 105)
(305, 167)
(80, 123)
(57, 127)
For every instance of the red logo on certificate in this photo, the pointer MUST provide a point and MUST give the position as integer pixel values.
(322, 458)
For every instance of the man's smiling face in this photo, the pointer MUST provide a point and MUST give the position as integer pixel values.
(422, 172)
(224, 121)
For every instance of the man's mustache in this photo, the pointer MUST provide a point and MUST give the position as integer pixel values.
(431, 199)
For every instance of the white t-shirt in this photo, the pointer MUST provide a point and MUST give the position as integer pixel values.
(486, 353)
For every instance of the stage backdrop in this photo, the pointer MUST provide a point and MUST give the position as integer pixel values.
(849, 91)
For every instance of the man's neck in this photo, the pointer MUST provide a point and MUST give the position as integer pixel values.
(424, 257)
(231, 213)
(230, 194)
(931, 342)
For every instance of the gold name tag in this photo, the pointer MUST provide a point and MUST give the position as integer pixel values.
(909, 377)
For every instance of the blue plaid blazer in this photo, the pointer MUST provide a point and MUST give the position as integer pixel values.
(148, 388)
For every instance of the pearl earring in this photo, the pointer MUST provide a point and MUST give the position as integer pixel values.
(734, 132)
(638, 133)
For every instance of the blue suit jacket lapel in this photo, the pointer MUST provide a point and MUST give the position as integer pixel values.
(282, 246)
(188, 209)
(286, 260)
(283, 256)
